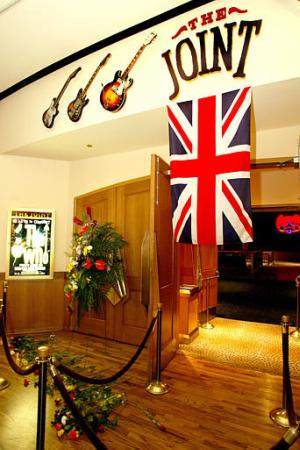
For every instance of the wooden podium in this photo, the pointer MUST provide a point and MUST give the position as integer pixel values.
(188, 312)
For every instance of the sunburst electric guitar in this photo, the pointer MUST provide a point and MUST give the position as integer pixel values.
(75, 108)
(50, 113)
(113, 94)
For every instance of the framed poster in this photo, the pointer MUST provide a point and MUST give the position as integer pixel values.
(30, 243)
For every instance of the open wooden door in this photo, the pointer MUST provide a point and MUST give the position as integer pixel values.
(164, 286)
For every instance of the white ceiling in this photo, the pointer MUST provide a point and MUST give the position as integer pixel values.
(39, 33)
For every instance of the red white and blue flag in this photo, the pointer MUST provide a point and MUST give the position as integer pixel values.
(210, 168)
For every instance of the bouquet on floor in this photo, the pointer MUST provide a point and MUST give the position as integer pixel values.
(95, 265)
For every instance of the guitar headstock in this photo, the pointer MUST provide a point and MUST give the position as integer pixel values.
(105, 59)
(73, 74)
(150, 38)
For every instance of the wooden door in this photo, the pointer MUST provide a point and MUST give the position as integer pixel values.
(132, 217)
(167, 292)
(102, 202)
(127, 206)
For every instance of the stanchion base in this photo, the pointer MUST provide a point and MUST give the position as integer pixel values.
(295, 334)
(280, 417)
(207, 326)
(3, 383)
(157, 388)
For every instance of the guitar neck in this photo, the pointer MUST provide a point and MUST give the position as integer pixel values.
(103, 62)
(132, 62)
(62, 91)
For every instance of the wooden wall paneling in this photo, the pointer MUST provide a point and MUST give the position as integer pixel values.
(132, 218)
(188, 264)
(35, 306)
(162, 235)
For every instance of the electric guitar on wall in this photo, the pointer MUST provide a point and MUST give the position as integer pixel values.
(113, 94)
(50, 113)
(75, 108)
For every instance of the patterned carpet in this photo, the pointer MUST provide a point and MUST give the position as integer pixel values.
(256, 346)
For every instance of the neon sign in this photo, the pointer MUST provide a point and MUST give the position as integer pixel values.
(288, 224)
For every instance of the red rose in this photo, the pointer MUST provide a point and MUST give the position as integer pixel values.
(100, 264)
(88, 263)
(58, 426)
(26, 382)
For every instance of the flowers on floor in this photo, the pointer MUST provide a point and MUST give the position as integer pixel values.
(97, 404)
(95, 264)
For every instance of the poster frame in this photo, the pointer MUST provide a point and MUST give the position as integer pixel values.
(21, 215)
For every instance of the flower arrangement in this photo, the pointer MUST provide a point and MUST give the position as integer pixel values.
(95, 264)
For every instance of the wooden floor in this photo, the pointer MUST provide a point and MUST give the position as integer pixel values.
(209, 405)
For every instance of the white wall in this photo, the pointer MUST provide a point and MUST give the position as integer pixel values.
(271, 57)
(279, 142)
(48, 184)
(35, 183)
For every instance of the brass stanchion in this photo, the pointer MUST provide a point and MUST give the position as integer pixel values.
(156, 387)
(285, 415)
(3, 382)
(207, 325)
(296, 333)
(43, 355)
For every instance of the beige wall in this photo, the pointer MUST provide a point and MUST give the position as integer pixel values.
(34, 183)
(275, 186)
(277, 142)
(38, 183)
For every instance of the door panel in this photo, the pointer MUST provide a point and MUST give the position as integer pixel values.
(167, 292)
(127, 206)
(133, 203)
(102, 203)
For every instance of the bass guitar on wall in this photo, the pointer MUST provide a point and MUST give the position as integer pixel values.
(75, 108)
(113, 94)
(50, 113)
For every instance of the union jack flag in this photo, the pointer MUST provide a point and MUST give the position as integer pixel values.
(210, 168)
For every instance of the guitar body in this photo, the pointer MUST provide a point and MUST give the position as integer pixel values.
(50, 114)
(75, 108)
(113, 94)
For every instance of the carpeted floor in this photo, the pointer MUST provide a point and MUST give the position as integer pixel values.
(256, 346)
